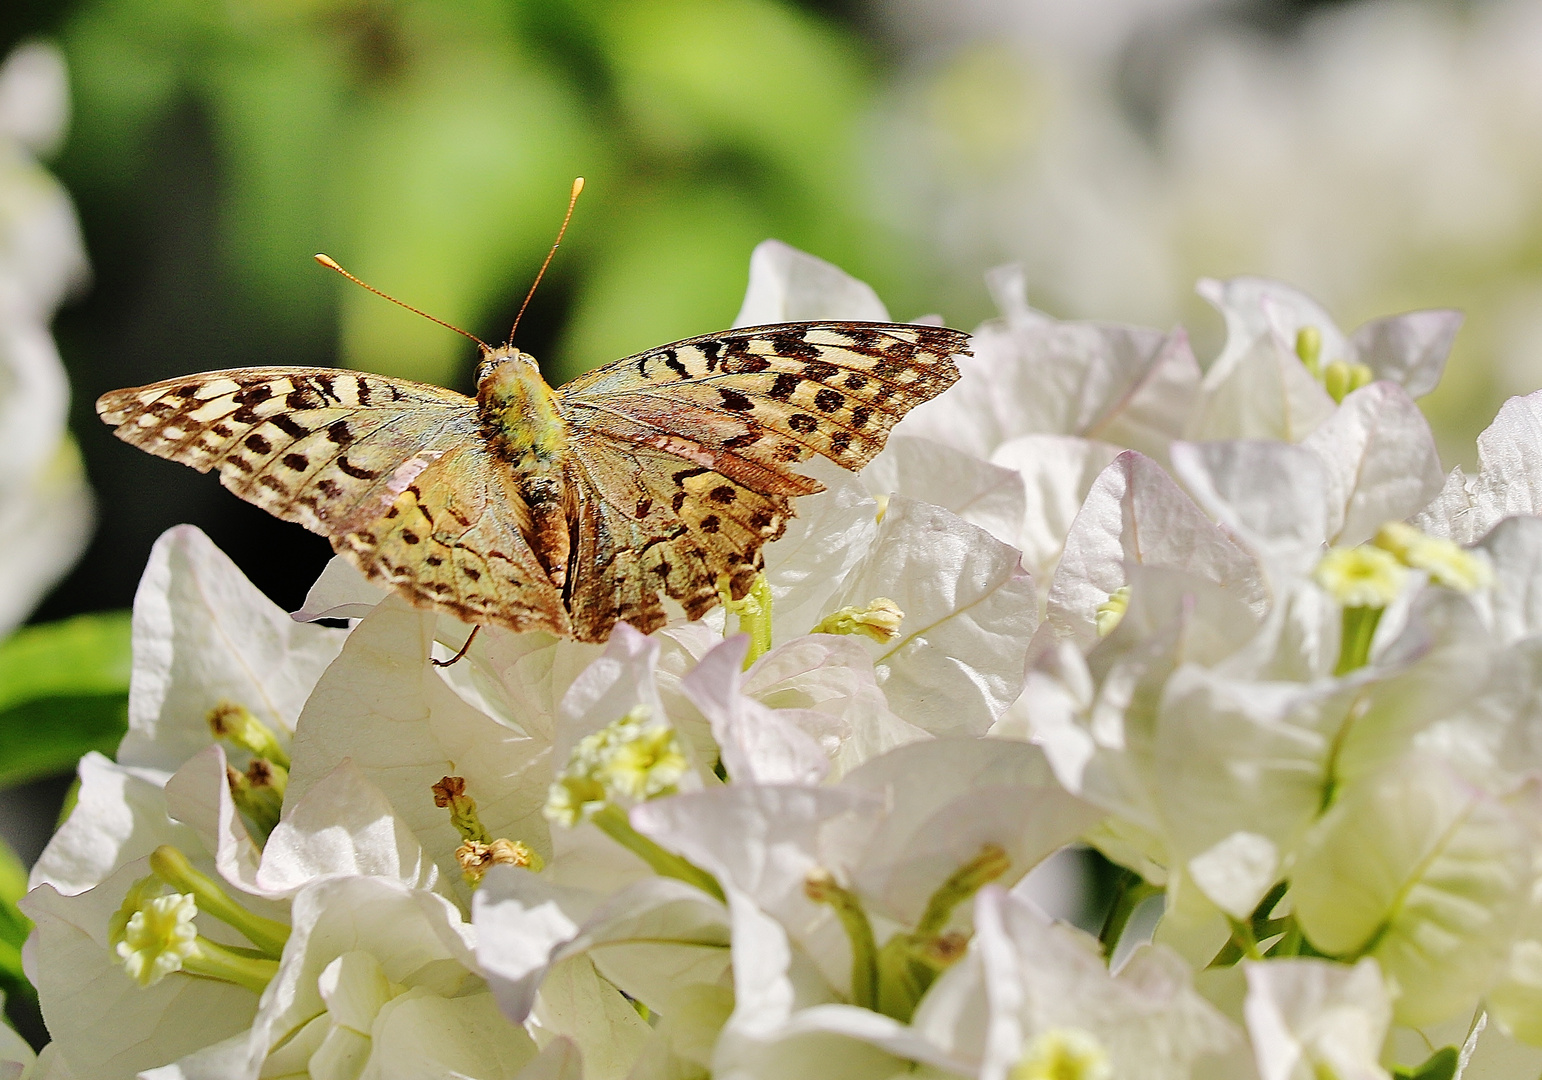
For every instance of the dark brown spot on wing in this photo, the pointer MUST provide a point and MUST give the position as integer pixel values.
(803, 423)
(734, 401)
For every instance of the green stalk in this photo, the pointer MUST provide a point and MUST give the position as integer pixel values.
(614, 823)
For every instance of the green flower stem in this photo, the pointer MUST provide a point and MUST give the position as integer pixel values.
(754, 612)
(613, 822)
(1355, 640)
(822, 889)
(213, 961)
(969, 879)
(1131, 891)
(172, 867)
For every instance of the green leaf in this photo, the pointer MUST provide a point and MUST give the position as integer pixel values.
(1441, 1065)
(88, 655)
(63, 692)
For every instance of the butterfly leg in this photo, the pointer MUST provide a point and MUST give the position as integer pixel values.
(463, 649)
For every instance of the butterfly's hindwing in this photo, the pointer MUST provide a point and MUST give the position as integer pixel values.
(454, 539)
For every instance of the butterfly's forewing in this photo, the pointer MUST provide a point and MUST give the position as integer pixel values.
(310, 445)
(394, 473)
(791, 390)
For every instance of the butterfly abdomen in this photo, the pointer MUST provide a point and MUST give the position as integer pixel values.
(521, 416)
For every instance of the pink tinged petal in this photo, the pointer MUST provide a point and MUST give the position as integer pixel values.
(1408, 349)
(788, 285)
(758, 745)
(1136, 515)
(1380, 460)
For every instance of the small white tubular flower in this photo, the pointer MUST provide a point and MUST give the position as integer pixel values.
(159, 936)
(1063, 1054)
(1361, 577)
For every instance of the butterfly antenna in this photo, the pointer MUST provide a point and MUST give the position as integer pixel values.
(578, 186)
(331, 264)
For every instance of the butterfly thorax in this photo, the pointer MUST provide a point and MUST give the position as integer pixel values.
(521, 416)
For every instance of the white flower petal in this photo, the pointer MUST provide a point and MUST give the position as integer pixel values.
(983, 494)
(1271, 495)
(970, 612)
(1427, 873)
(205, 635)
(344, 825)
(758, 745)
(1380, 460)
(1136, 515)
(949, 799)
(1408, 349)
(341, 592)
(382, 705)
(1318, 1016)
(788, 285)
(1058, 471)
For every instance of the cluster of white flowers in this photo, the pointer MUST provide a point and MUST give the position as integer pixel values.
(45, 507)
(1232, 627)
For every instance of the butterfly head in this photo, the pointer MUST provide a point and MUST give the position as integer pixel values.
(520, 413)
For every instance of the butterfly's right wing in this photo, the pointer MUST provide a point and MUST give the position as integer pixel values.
(390, 471)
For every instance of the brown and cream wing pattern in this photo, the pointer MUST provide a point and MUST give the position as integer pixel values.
(310, 445)
(788, 391)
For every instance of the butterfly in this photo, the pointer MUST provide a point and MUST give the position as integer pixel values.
(569, 510)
